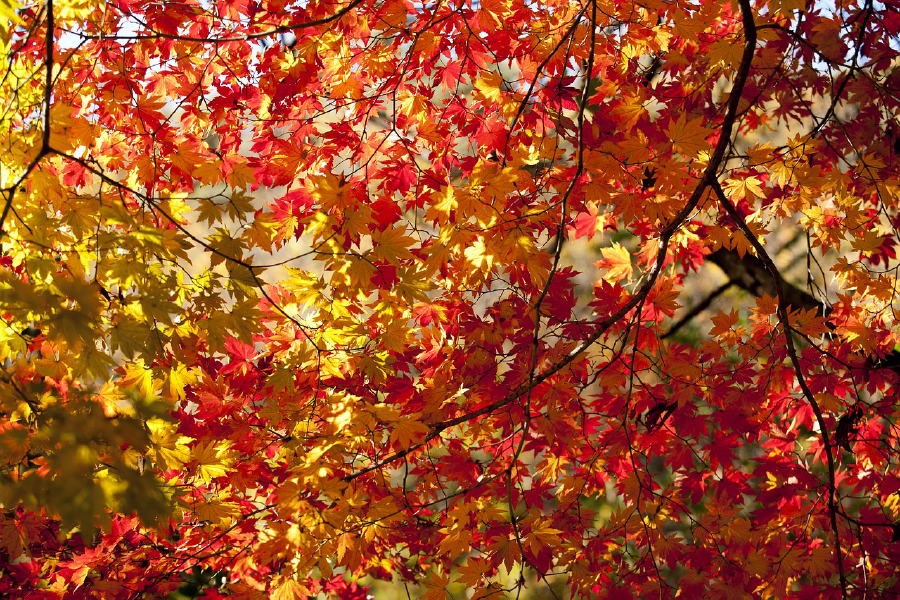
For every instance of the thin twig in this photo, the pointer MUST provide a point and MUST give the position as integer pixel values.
(783, 317)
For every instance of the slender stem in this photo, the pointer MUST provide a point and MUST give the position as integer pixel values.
(783, 317)
(603, 325)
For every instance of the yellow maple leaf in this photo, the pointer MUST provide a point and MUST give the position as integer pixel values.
(617, 261)
(351, 87)
(408, 431)
(261, 231)
(866, 240)
(241, 175)
(809, 322)
(726, 52)
(394, 337)
(71, 327)
(8, 12)
(457, 542)
(479, 255)
(329, 191)
(358, 270)
(441, 205)
(208, 172)
(391, 245)
(687, 26)
(634, 146)
(185, 158)
(212, 460)
(498, 181)
(289, 589)
(436, 585)
(472, 573)
(177, 378)
(741, 244)
(438, 255)
(630, 110)
(393, 14)
(412, 105)
(786, 7)
(542, 535)
(689, 138)
(426, 43)
(220, 513)
(489, 86)
(168, 447)
(470, 204)
(500, 185)
(748, 188)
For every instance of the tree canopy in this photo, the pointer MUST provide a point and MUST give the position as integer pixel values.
(590, 297)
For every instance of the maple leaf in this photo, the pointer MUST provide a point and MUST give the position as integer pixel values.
(220, 513)
(8, 12)
(688, 138)
(472, 572)
(436, 585)
(588, 223)
(455, 543)
(819, 560)
(185, 158)
(738, 529)
(412, 105)
(489, 85)
(208, 172)
(329, 191)
(211, 460)
(290, 589)
(617, 261)
(442, 205)
(408, 431)
(747, 188)
(479, 255)
(11, 538)
(668, 545)
(392, 245)
(506, 550)
(179, 377)
(662, 299)
(170, 448)
(725, 52)
(723, 323)
(399, 173)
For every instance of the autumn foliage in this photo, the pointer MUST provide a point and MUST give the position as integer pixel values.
(294, 298)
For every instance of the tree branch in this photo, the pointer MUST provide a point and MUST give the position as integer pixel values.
(603, 325)
(750, 273)
(698, 308)
(783, 317)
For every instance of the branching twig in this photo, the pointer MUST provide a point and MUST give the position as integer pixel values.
(782, 312)
(698, 308)
(603, 325)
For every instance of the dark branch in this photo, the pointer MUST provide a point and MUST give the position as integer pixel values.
(698, 308)
(749, 273)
